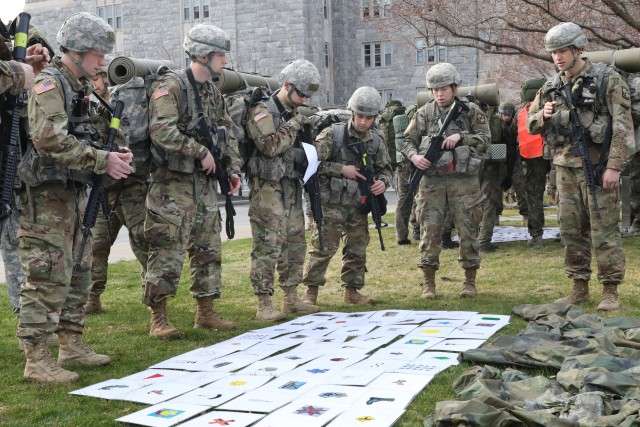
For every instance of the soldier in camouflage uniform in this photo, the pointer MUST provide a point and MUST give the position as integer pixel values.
(535, 167)
(275, 191)
(341, 150)
(456, 188)
(598, 104)
(56, 169)
(182, 205)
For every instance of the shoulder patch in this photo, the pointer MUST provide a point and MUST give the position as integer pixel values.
(261, 115)
(481, 118)
(625, 93)
(45, 86)
(159, 93)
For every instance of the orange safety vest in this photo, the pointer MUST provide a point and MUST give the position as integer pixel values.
(530, 145)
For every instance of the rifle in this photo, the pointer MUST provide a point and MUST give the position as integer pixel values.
(312, 186)
(9, 159)
(97, 197)
(201, 130)
(434, 151)
(364, 186)
(579, 141)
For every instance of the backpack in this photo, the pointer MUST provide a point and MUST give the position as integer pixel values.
(238, 106)
(392, 109)
(325, 118)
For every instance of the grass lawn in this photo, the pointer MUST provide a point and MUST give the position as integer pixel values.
(510, 276)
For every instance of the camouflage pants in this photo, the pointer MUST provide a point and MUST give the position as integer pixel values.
(580, 230)
(405, 212)
(53, 296)
(12, 268)
(129, 212)
(490, 179)
(278, 235)
(519, 186)
(461, 195)
(535, 178)
(182, 215)
(634, 178)
(340, 222)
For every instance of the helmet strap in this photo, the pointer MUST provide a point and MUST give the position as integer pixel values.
(78, 63)
(574, 51)
(206, 64)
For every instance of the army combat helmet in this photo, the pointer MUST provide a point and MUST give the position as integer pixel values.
(206, 40)
(441, 75)
(365, 101)
(83, 31)
(303, 75)
(507, 108)
(564, 34)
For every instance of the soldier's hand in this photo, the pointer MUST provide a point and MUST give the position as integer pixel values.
(298, 121)
(351, 172)
(29, 75)
(234, 179)
(611, 179)
(378, 187)
(118, 164)
(208, 164)
(38, 57)
(420, 161)
(548, 109)
(451, 141)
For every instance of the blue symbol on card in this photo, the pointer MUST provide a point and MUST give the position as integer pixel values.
(418, 342)
(317, 371)
(293, 385)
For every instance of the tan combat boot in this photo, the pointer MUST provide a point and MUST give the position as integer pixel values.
(73, 350)
(266, 312)
(535, 242)
(469, 285)
(207, 318)
(51, 340)
(579, 293)
(292, 304)
(352, 296)
(41, 367)
(160, 326)
(311, 296)
(93, 305)
(610, 299)
(429, 273)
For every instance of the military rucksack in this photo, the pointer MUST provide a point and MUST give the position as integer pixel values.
(385, 124)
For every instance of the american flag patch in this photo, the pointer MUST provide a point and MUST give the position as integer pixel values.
(160, 93)
(260, 116)
(44, 87)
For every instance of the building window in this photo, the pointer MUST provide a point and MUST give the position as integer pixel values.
(373, 54)
(326, 11)
(196, 10)
(326, 55)
(109, 15)
(387, 7)
(372, 8)
(442, 51)
(205, 8)
(118, 9)
(112, 13)
(365, 8)
(186, 10)
(101, 12)
(419, 43)
(386, 94)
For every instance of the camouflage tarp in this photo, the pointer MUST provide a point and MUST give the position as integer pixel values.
(597, 383)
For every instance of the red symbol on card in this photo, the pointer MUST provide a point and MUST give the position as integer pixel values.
(221, 422)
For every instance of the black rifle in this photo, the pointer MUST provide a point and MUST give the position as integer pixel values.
(201, 130)
(312, 186)
(579, 141)
(434, 151)
(364, 186)
(97, 197)
(9, 153)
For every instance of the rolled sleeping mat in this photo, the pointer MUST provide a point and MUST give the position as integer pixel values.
(488, 93)
(123, 68)
(232, 81)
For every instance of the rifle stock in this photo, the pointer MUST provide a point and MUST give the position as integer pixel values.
(312, 186)
(365, 190)
(97, 197)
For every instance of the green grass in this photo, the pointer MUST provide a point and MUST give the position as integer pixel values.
(513, 275)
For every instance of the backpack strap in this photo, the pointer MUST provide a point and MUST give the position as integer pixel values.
(339, 137)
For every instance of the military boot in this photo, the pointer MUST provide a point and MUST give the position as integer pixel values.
(469, 285)
(73, 350)
(51, 340)
(416, 234)
(352, 296)
(579, 293)
(160, 326)
(311, 296)
(292, 304)
(429, 273)
(610, 299)
(41, 367)
(266, 312)
(446, 242)
(207, 318)
(93, 305)
(535, 242)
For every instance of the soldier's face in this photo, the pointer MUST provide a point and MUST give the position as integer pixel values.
(218, 61)
(562, 58)
(99, 82)
(505, 117)
(443, 95)
(92, 62)
(362, 123)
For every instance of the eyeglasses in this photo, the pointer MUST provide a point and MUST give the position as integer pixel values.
(300, 94)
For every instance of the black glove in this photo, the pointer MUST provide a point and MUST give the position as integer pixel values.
(506, 183)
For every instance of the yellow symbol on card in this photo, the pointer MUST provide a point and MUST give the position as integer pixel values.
(430, 331)
(238, 383)
(365, 418)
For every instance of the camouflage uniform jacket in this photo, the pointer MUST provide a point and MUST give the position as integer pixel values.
(11, 77)
(171, 111)
(473, 126)
(612, 102)
(49, 122)
(333, 157)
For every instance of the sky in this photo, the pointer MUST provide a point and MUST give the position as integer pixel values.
(10, 9)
